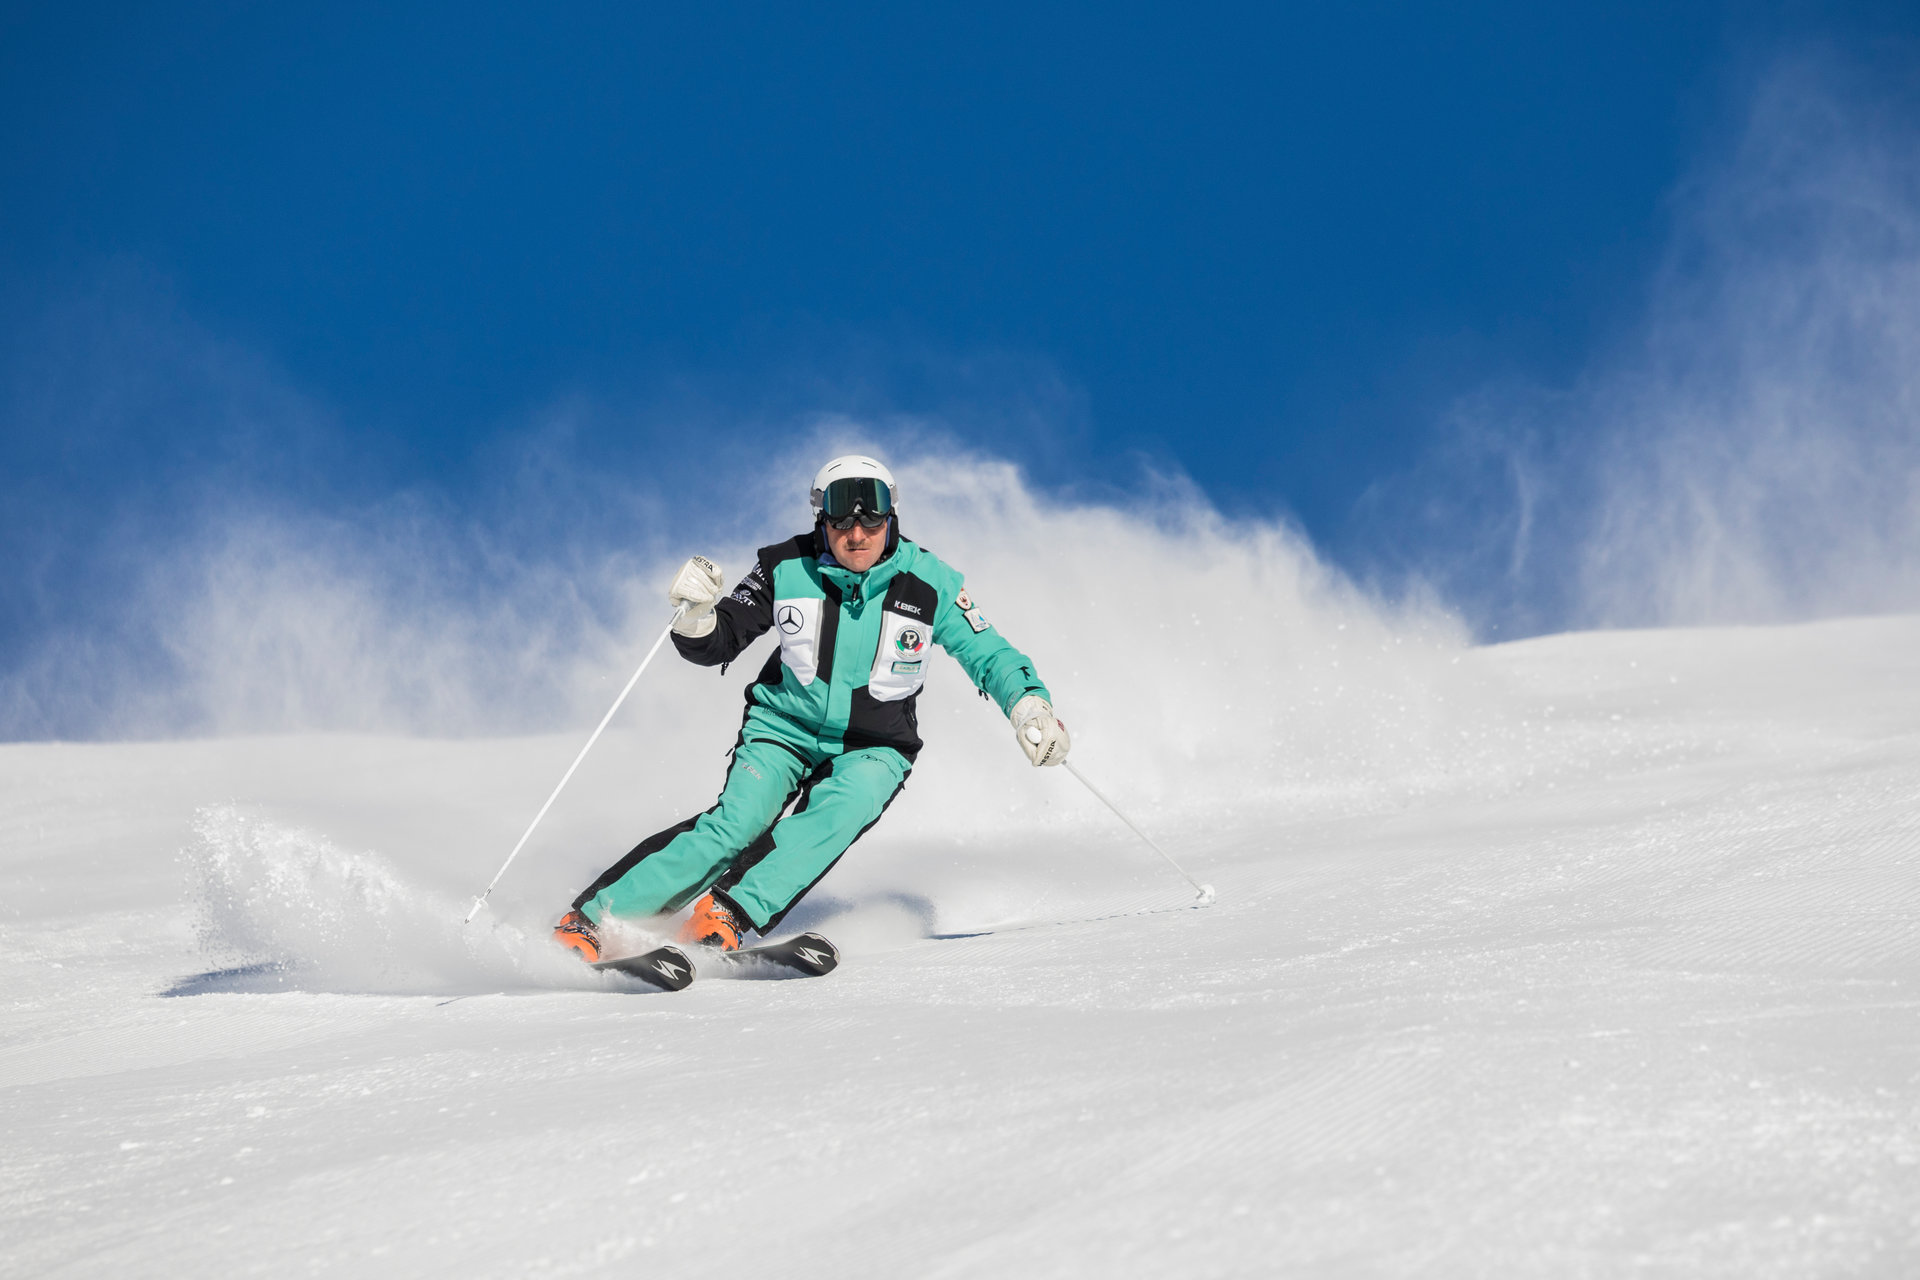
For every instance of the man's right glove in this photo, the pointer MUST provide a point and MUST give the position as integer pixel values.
(696, 588)
(1039, 732)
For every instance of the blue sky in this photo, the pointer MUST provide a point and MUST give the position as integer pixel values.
(1269, 245)
(1259, 240)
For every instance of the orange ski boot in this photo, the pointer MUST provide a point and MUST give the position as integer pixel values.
(714, 924)
(576, 933)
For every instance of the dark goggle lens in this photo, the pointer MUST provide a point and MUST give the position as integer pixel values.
(864, 520)
(846, 498)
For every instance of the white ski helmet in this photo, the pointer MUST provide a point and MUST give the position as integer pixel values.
(854, 484)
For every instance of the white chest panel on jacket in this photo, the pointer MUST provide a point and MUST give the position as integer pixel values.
(798, 622)
(900, 663)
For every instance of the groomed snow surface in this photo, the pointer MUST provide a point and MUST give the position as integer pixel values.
(1588, 955)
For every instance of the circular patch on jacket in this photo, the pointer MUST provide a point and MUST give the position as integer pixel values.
(790, 620)
(909, 641)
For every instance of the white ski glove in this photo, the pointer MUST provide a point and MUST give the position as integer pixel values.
(1039, 733)
(696, 588)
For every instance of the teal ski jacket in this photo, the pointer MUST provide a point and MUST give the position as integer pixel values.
(854, 646)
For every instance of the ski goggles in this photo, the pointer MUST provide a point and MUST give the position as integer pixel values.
(861, 500)
(864, 520)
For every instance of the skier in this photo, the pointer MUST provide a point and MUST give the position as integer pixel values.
(830, 731)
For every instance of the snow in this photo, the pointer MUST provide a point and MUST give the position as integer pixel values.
(1588, 955)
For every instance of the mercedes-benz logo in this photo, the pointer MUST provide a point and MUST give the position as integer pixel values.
(790, 620)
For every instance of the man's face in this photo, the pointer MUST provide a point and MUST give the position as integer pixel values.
(856, 548)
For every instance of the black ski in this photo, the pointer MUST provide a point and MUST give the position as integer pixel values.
(808, 954)
(805, 955)
(665, 967)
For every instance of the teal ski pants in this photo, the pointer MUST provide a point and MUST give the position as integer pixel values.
(742, 848)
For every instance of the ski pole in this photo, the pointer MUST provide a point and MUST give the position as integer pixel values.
(1204, 890)
(481, 901)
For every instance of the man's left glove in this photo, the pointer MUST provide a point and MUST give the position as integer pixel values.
(1039, 731)
(696, 588)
